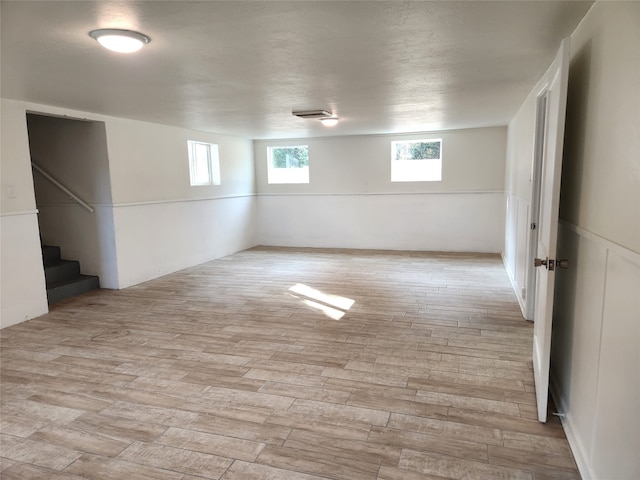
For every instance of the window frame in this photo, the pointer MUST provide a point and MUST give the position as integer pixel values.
(287, 175)
(212, 164)
(418, 170)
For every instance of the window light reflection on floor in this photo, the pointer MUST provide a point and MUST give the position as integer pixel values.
(333, 306)
(330, 312)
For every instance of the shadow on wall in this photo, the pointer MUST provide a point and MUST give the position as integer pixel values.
(564, 313)
(574, 133)
(564, 308)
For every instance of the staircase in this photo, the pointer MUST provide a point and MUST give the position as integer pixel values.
(63, 277)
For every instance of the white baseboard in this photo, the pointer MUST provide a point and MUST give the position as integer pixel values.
(514, 285)
(577, 448)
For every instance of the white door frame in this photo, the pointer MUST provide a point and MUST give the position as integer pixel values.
(536, 181)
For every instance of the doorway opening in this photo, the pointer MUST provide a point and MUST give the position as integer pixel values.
(73, 192)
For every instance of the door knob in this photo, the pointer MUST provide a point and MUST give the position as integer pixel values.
(538, 262)
(550, 264)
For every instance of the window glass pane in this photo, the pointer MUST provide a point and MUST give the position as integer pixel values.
(201, 170)
(417, 150)
(416, 161)
(214, 164)
(290, 157)
(416, 171)
(202, 152)
(204, 164)
(288, 164)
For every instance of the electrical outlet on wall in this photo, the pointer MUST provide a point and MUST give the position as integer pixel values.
(10, 191)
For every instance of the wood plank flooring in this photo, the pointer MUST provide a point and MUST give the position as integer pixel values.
(293, 364)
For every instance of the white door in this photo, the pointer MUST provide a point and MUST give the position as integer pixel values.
(555, 90)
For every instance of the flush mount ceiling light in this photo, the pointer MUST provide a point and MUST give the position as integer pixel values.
(330, 121)
(312, 114)
(122, 41)
(326, 117)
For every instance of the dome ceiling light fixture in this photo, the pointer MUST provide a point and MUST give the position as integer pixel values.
(327, 118)
(121, 41)
(330, 121)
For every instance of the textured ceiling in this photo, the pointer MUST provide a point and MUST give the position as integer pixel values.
(241, 67)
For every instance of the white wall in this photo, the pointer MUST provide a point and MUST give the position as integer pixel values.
(22, 286)
(595, 368)
(161, 223)
(149, 163)
(351, 202)
(518, 178)
(159, 238)
(596, 352)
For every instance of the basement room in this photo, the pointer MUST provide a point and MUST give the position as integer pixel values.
(313, 240)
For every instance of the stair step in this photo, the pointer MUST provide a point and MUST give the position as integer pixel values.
(63, 289)
(62, 270)
(50, 255)
(63, 277)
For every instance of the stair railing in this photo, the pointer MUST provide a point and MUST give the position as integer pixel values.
(76, 198)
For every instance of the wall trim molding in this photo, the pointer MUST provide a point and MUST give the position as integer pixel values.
(247, 195)
(608, 245)
(372, 194)
(18, 213)
(151, 202)
(180, 200)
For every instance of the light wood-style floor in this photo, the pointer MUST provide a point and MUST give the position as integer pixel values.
(292, 364)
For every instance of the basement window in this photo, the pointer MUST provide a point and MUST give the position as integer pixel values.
(288, 164)
(416, 160)
(204, 163)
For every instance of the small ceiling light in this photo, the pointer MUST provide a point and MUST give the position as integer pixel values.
(122, 41)
(326, 117)
(330, 121)
(312, 113)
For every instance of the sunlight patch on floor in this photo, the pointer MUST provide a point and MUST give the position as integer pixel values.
(333, 306)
